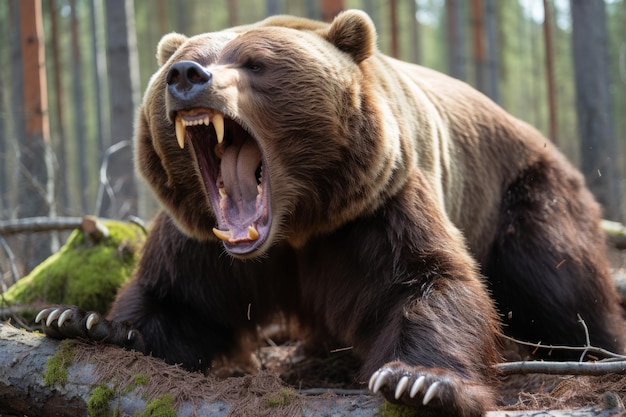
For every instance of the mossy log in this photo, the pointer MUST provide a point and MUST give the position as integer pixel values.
(44, 377)
(96, 260)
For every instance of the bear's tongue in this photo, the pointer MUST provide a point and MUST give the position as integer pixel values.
(238, 169)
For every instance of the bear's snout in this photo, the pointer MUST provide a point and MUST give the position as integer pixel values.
(185, 79)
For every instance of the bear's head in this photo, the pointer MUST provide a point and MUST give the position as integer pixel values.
(265, 132)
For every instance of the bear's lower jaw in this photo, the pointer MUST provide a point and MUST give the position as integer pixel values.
(234, 170)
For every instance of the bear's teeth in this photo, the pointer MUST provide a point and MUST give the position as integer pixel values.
(224, 235)
(180, 132)
(253, 234)
(218, 125)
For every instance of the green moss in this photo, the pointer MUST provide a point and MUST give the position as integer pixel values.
(83, 273)
(139, 380)
(99, 402)
(162, 406)
(57, 364)
(280, 399)
(388, 409)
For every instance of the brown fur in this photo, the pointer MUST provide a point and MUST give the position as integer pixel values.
(389, 185)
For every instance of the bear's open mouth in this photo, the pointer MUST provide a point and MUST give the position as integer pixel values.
(235, 174)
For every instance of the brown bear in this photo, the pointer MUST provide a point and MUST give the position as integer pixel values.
(304, 173)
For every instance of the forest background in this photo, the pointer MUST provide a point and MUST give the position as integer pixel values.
(73, 71)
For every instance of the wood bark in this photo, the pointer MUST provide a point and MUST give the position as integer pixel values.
(80, 130)
(36, 186)
(124, 97)
(478, 42)
(547, 39)
(593, 104)
(393, 23)
(456, 39)
(493, 73)
(416, 49)
(331, 8)
(24, 360)
(60, 139)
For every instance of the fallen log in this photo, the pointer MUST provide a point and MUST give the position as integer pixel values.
(44, 377)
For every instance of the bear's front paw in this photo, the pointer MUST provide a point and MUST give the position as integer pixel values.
(437, 392)
(72, 322)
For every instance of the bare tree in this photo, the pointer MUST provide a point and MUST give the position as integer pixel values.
(547, 38)
(233, 15)
(4, 136)
(478, 42)
(456, 39)
(97, 72)
(123, 72)
(593, 104)
(272, 7)
(59, 132)
(79, 110)
(312, 11)
(393, 21)
(416, 50)
(330, 8)
(493, 76)
(36, 191)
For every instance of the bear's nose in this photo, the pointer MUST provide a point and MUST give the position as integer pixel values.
(185, 79)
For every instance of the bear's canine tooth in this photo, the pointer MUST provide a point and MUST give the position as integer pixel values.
(224, 235)
(218, 125)
(180, 132)
(222, 192)
(253, 234)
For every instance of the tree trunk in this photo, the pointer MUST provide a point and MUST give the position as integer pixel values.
(82, 161)
(61, 153)
(547, 37)
(39, 376)
(393, 23)
(416, 50)
(36, 191)
(272, 7)
(312, 11)
(123, 73)
(478, 42)
(331, 8)
(593, 104)
(5, 77)
(98, 73)
(493, 75)
(456, 38)
(233, 13)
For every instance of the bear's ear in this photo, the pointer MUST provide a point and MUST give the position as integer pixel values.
(168, 45)
(353, 32)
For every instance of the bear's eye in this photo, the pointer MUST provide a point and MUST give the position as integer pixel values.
(253, 66)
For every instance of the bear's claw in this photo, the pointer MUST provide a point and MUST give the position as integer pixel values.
(72, 322)
(383, 376)
(438, 392)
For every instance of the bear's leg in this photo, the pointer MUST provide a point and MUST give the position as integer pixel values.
(187, 301)
(548, 265)
(401, 288)
(437, 352)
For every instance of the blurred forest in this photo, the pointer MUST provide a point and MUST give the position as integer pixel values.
(73, 72)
